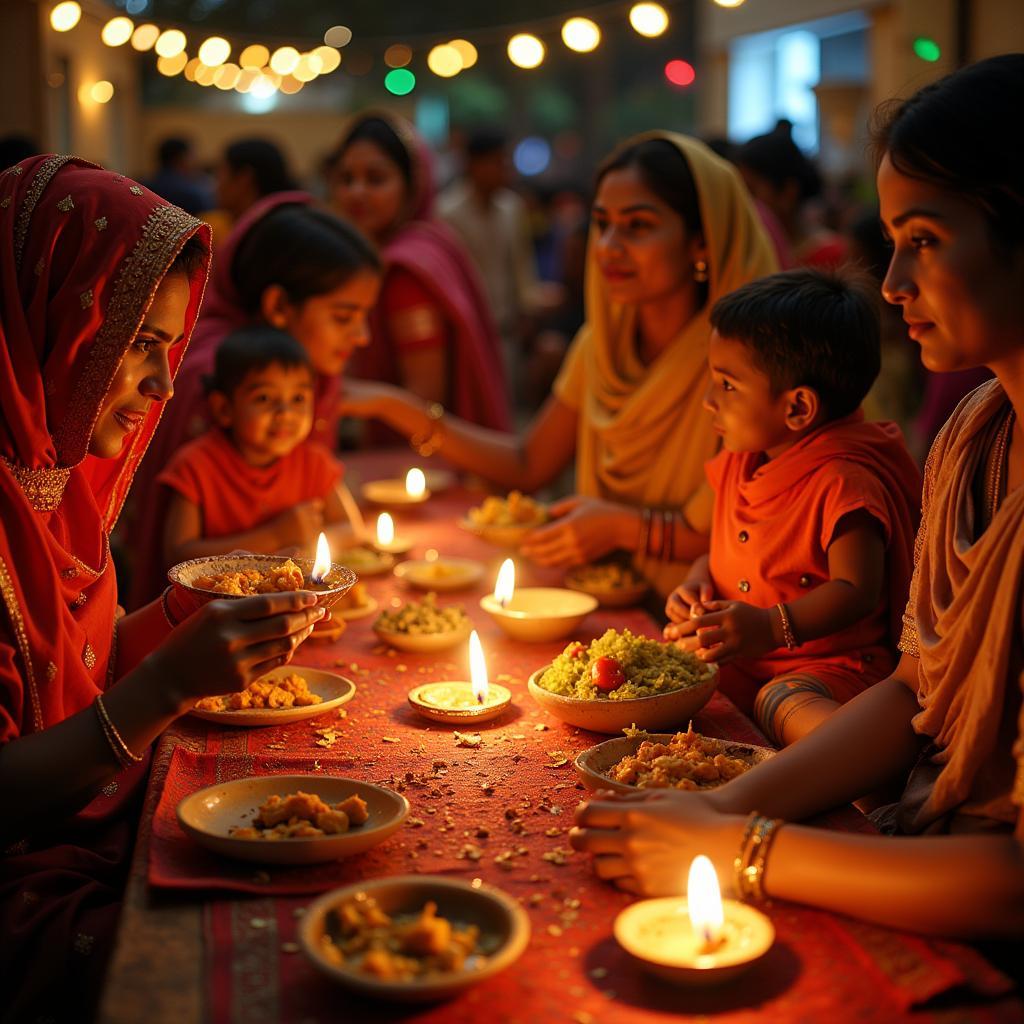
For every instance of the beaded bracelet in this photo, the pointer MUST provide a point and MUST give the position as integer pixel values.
(788, 636)
(125, 758)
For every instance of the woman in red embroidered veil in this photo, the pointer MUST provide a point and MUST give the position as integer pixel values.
(100, 284)
(432, 330)
(286, 264)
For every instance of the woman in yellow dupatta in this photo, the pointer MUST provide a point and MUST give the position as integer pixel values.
(950, 718)
(673, 230)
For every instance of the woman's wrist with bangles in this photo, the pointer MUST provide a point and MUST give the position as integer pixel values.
(657, 538)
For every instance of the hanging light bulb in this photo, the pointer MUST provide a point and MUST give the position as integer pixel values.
(648, 19)
(214, 51)
(170, 43)
(444, 61)
(284, 59)
(144, 37)
(117, 31)
(65, 16)
(581, 35)
(466, 50)
(525, 51)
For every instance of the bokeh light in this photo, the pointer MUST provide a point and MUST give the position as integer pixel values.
(290, 85)
(532, 156)
(648, 19)
(927, 49)
(581, 35)
(204, 75)
(444, 61)
(171, 66)
(191, 68)
(264, 87)
(330, 59)
(226, 76)
(400, 81)
(246, 78)
(117, 31)
(525, 51)
(254, 56)
(284, 60)
(338, 36)
(102, 91)
(170, 43)
(729, 3)
(680, 73)
(397, 55)
(144, 37)
(65, 16)
(214, 51)
(307, 69)
(467, 51)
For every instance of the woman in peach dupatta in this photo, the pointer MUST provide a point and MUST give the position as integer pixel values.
(100, 285)
(952, 199)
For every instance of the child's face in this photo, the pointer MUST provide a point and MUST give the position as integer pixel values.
(270, 412)
(746, 413)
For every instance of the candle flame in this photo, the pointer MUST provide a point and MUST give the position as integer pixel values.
(704, 901)
(415, 483)
(322, 563)
(505, 586)
(477, 668)
(431, 555)
(385, 529)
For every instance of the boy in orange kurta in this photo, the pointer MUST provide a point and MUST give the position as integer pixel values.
(255, 481)
(800, 596)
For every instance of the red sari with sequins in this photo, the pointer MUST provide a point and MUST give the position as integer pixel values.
(82, 253)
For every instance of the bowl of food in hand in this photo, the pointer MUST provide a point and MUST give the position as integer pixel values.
(233, 576)
(682, 760)
(619, 680)
(614, 584)
(505, 521)
(291, 819)
(414, 938)
(365, 561)
(423, 627)
(440, 574)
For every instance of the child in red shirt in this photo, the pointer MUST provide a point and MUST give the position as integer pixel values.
(800, 597)
(254, 481)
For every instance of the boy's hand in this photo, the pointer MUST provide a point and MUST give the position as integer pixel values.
(684, 604)
(733, 629)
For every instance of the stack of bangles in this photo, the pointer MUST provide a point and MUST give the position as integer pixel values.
(750, 862)
(658, 534)
(427, 441)
(120, 750)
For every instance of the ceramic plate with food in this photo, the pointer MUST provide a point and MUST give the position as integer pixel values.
(505, 521)
(680, 760)
(423, 627)
(240, 818)
(265, 701)
(366, 561)
(234, 576)
(414, 938)
(614, 584)
(441, 574)
(621, 679)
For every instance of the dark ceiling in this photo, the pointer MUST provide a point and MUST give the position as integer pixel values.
(374, 20)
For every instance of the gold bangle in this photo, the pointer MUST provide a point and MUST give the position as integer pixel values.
(741, 855)
(117, 744)
(427, 441)
(750, 876)
(788, 636)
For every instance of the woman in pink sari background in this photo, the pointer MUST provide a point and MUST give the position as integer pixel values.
(432, 330)
(286, 264)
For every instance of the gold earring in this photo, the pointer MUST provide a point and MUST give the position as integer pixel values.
(700, 271)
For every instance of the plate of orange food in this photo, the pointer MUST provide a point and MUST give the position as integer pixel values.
(291, 819)
(284, 695)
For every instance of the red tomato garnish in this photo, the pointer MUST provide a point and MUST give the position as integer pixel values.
(576, 651)
(607, 674)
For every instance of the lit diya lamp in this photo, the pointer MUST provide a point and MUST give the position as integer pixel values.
(700, 940)
(386, 540)
(410, 491)
(462, 703)
(535, 614)
(325, 629)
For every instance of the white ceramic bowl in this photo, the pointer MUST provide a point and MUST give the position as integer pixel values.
(540, 614)
(662, 711)
(425, 643)
(456, 574)
(209, 814)
(504, 932)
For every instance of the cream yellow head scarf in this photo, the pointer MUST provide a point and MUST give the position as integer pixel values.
(643, 436)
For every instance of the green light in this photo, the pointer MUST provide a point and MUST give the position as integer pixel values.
(400, 81)
(927, 49)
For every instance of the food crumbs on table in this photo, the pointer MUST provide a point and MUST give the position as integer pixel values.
(482, 833)
(559, 856)
(289, 947)
(554, 930)
(468, 739)
(541, 727)
(470, 852)
(401, 668)
(582, 1017)
(390, 739)
(536, 899)
(552, 832)
(415, 822)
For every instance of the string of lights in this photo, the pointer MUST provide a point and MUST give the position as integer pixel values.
(262, 71)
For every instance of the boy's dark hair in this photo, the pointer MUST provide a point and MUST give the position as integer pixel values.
(250, 349)
(811, 328)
